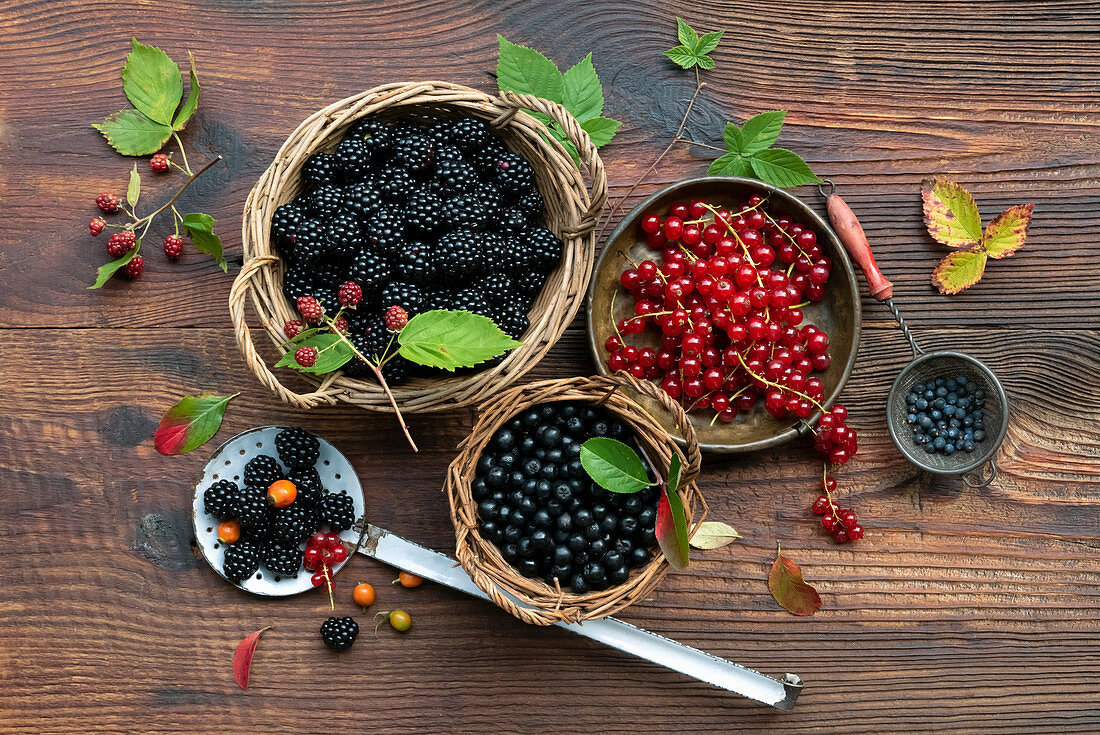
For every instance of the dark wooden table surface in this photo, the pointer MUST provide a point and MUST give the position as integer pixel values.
(962, 610)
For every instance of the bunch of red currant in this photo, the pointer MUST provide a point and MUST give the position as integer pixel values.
(727, 302)
(832, 438)
(840, 522)
(322, 552)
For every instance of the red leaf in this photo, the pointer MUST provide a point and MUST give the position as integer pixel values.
(242, 658)
(788, 589)
(672, 520)
(190, 423)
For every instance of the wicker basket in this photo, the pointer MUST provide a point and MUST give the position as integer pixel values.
(532, 600)
(573, 208)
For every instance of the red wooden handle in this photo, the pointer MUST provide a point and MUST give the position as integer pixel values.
(855, 242)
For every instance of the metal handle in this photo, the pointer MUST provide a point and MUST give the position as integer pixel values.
(983, 480)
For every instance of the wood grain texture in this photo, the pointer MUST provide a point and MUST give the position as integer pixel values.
(962, 611)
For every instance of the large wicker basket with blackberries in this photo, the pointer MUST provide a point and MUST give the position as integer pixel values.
(533, 531)
(427, 196)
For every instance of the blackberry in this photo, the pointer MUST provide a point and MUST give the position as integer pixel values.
(396, 184)
(460, 252)
(321, 168)
(375, 133)
(363, 198)
(511, 322)
(254, 514)
(293, 523)
(533, 206)
(339, 633)
(309, 486)
(413, 152)
(386, 231)
(496, 288)
(545, 249)
(472, 300)
(285, 220)
(326, 200)
(514, 175)
(512, 221)
(353, 158)
(470, 134)
(220, 499)
(453, 174)
(442, 299)
(440, 134)
(403, 294)
(337, 511)
(261, 471)
(423, 212)
(465, 211)
(371, 271)
(305, 244)
(416, 263)
(297, 283)
(242, 559)
(342, 233)
(485, 158)
(283, 559)
(297, 447)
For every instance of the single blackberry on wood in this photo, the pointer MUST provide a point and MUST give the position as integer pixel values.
(297, 447)
(339, 634)
(261, 471)
(338, 511)
(283, 559)
(242, 560)
(321, 168)
(221, 499)
(293, 523)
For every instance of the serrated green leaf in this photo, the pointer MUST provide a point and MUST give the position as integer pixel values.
(191, 103)
(704, 62)
(133, 134)
(950, 213)
(713, 535)
(686, 33)
(682, 56)
(525, 71)
(109, 269)
(613, 465)
(959, 270)
(190, 423)
(133, 189)
(452, 339)
(729, 164)
(781, 167)
(600, 130)
(558, 134)
(761, 131)
(332, 354)
(200, 228)
(152, 82)
(708, 42)
(1006, 233)
(583, 93)
(732, 135)
(671, 525)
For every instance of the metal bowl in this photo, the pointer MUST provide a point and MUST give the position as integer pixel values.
(946, 364)
(838, 313)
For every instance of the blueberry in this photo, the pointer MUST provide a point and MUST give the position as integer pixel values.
(949, 449)
(929, 394)
(583, 517)
(532, 467)
(598, 547)
(929, 449)
(600, 428)
(505, 440)
(516, 517)
(948, 410)
(911, 398)
(512, 534)
(562, 555)
(540, 539)
(632, 504)
(561, 571)
(639, 556)
(623, 545)
(542, 518)
(563, 492)
(509, 552)
(496, 477)
(911, 419)
(939, 403)
(574, 425)
(528, 567)
(979, 435)
(578, 584)
(939, 443)
(647, 516)
(628, 525)
(480, 488)
(594, 572)
(486, 509)
(576, 469)
(922, 404)
(565, 522)
(918, 388)
(527, 446)
(926, 423)
(648, 535)
(550, 436)
(952, 384)
(609, 523)
(517, 480)
(577, 543)
(592, 531)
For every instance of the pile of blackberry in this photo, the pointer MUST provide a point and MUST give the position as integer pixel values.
(547, 517)
(947, 415)
(439, 215)
(273, 537)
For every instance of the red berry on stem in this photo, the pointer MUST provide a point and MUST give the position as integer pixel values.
(305, 356)
(173, 247)
(339, 325)
(651, 224)
(310, 308)
(96, 226)
(107, 203)
(396, 318)
(159, 163)
(855, 533)
(821, 505)
(134, 267)
(120, 243)
(293, 328)
(350, 294)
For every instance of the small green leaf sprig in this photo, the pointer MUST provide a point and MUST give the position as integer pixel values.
(440, 339)
(153, 84)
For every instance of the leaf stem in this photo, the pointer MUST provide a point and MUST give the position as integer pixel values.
(183, 154)
(148, 219)
(689, 141)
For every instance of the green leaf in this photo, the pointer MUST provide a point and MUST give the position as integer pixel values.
(704, 62)
(950, 213)
(1006, 233)
(583, 93)
(525, 71)
(452, 339)
(672, 519)
(959, 270)
(190, 423)
(729, 164)
(132, 134)
(558, 134)
(790, 590)
(713, 535)
(191, 103)
(732, 135)
(600, 130)
(613, 465)
(760, 132)
(682, 56)
(782, 168)
(133, 189)
(152, 82)
(332, 354)
(708, 42)
(686, 33)
(200, 228)
(109, 269)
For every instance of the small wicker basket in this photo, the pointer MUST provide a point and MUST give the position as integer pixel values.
(532, 600)
(573, 208)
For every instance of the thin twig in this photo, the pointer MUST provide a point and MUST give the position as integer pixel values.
(148, 219)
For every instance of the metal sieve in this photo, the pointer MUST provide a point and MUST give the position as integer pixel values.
(925, 366)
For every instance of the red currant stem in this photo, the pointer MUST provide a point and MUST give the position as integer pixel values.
(803, 305)
(692, 256)
(689, 141)
(183, 154)
(614, 324)
(328, 583)
(790, 270)
(788, 236)
(699, 84)
(148, 219)
(715, 419)
(770, 384)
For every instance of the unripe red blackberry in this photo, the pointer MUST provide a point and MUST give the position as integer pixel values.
(340, 324)
(293, 328)
(310, 309)
(396, 318)
(173, 247)
(305, 356)
(96, 226)
(159, 163)
(120, 243)
(107, 202)
(350, 294)
(134, 267)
